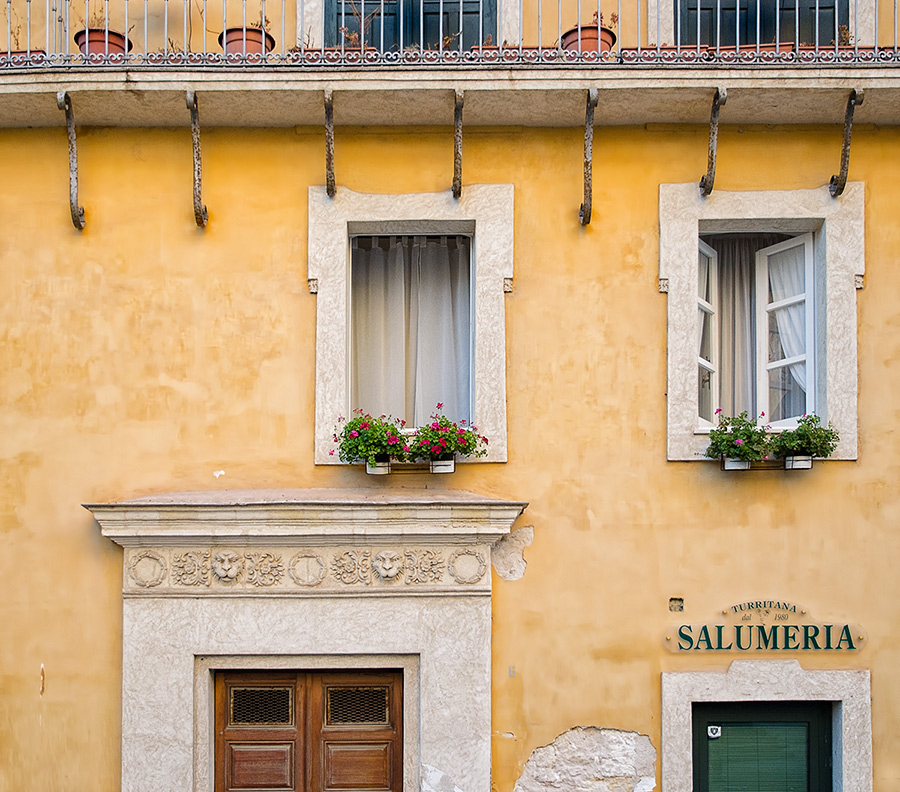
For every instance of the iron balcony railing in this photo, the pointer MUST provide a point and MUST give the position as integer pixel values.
(48, 34)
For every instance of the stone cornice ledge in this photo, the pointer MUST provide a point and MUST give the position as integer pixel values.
(306, 517)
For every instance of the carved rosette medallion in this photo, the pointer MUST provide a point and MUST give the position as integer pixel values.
(388, 564)
(353, 566)
(467, 566)
(307, 569)
(228, 567)
(263, 569)
(191, 569)
(423, 566)
(147, 569)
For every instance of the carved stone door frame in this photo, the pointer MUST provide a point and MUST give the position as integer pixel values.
(305, 579)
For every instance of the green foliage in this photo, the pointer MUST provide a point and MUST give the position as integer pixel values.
(810, 438)
(366, 437)
(737, 437)
(441, 438)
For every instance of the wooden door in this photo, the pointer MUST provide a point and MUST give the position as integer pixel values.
(309, 731)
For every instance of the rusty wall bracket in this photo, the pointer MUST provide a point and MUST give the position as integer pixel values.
(329, 144)
(584, 213)
(838, 182)
(201, 217)
(707, 181)
(457, 145)
(64, 103)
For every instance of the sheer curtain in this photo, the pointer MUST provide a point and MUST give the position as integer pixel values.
(410, 302)
(737, 319)
(787, 279)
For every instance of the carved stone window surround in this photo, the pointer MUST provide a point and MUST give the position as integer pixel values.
(484, 210)
(838, 226)
(191, 607)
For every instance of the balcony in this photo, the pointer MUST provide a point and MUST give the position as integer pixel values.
(520, 62)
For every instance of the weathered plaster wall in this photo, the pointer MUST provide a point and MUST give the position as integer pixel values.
(144, 355)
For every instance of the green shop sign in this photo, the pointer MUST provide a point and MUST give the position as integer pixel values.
(766, 626)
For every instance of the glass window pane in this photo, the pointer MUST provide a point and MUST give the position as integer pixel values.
(703, 279)
(705, 336)
(787, 332)
(787, 273)
(704, 394)
(787, 392)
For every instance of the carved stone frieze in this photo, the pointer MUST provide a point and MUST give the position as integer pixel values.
(228, 567)
(264, 569)
(467, 566)
(353, 566)
(190, 569)
(307, 569)
(221, 571)
(423, 566)
(388, 564)
(147, 569)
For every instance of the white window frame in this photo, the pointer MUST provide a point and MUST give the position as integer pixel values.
(711, 309)
(484, 211)
(838, 229)
(771, 680)
(763, 307)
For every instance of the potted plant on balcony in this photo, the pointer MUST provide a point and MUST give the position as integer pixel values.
(374, 440)
(97, 38)
(595, 37)
(252, 39)
(13, 51)
(798, 447)
(737, 441)
(441, 440)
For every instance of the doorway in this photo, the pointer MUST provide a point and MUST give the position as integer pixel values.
(323, 731)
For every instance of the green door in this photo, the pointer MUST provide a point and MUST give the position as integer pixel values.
(762, 747)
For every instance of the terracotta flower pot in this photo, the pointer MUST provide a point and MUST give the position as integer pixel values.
(98, 41)
(250, 40)
(593, 39)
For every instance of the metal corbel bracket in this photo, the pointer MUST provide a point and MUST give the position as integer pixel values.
(707, 181)
(457, 145)
(584, 212)
(838, 182)
(329, 144)
(201, 216)
(64, 103)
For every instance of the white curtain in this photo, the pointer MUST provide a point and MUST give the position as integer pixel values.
(411, 326)
(737, 319)
(787, 279)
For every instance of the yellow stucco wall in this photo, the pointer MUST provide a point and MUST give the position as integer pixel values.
(142, 354)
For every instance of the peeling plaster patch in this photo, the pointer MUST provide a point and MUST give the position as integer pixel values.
(588, 759)
(434, 780)
(507, 555)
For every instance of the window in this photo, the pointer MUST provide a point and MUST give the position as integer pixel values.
(767, 703)
(396, 25)
(411, 333)
(756, 326)
(761, 291)
(762, 746)
(478, 229)
(721, 22)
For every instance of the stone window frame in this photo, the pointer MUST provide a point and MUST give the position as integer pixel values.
(483, 210)
(771, 680)
(838, 226)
